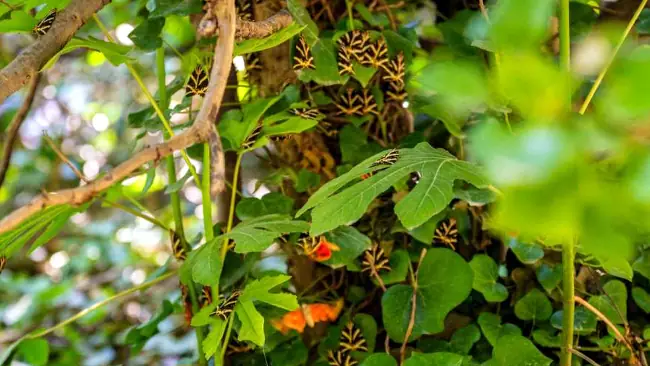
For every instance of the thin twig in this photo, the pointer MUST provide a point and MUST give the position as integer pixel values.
(584, 357)
(606, 320)
(64, 158)
(14, 126)
(411, 325)
(609, 63)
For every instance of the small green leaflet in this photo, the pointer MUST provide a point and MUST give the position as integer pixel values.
(115, 54)
(254, 235)
(259, 290)
(256, 45)
(252, 323)
(213, 340)
(340, 203)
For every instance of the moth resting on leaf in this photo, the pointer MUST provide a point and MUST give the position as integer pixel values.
(308, 315)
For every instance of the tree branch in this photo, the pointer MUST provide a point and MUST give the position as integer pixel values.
(14, 126)
(27, 64)
(248, 30)
(199, 132)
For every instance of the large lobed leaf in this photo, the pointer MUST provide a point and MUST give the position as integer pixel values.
(339, 203)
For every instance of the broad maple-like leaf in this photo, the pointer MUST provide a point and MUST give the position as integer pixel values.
(341, 203)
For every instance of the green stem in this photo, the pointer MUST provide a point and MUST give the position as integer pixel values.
(175, 199)
(226, 339)
(568, 292)
(348, 4)
(137, 214)
(98, 305)
(602, 73)
(205, 195)
(151, 100)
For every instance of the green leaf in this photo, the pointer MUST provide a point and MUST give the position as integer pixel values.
(289, 354)
(426, 231)
(464, 338)
(271, 203)
(534, 306)
(368, 327)
(584, 321)
(206, 267)
(475, 196)
(363, 74)
(259, 290)
(277, 38)
(333, 206)
(351, 242)
(518, 24)
(301, 16)
(515, 350)
(326, 70)
(164, 8)
(213, 340)
(151, 176)
(444, 281)
(527, 253)
(146, 35)
(399, 264)
(379, 359)
(642, 265)
(306, 180)
(544, 338)
(493, 329)
(138, 336)
(203, 317)
(20, 21)
(13, 240)
(641, 298)
(34, 351)
(613, 304)
(434, 359)
(486, 273)
(115, 54)
(549, 276)
(643, 24)
(255, 235)
(252, 323)
(53, 229)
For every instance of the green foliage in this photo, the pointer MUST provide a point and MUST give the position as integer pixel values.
(492, 328)
(257, 45)
(613, 304)
(486, 273)
(333, 206)
(444, 281)
(533, 306)
(34, 351)
(516, 350)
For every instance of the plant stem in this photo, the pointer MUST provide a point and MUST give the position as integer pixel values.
(137, 214)
(231, 212)
(98, 305)
(205, 195)
(568, 252)
(175, 199)
(568, 293)
(602, 73)
(151, 100)
(348, 4)
(226, 339)
(224, 246)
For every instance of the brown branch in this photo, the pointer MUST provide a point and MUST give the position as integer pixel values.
(14, 126)
(584, 357)
(249, 30)
(411, 325)
(199, 132)
(27, 64)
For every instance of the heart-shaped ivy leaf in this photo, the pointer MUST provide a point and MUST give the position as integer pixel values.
(534, 306)
(486, 273)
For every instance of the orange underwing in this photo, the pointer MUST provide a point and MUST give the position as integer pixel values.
(308, 315)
